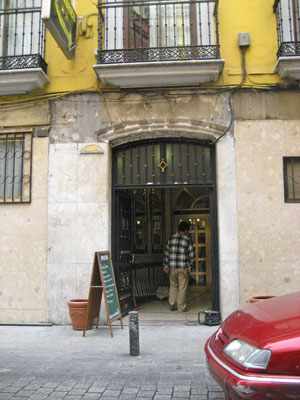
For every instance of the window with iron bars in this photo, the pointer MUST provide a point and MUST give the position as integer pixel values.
(291, 168)
(15, 167)
(22, 34)
(288, 27)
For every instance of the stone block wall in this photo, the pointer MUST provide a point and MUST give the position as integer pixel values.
(269, 230)
(78, 224)
(23, 243)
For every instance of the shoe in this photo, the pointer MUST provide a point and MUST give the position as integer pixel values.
(186, 309)
(172, 307)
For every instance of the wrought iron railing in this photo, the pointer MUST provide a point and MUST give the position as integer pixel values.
(288, 27)
(151, 31)
(22, 35)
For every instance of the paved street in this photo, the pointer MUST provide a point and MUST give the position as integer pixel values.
(56, 362)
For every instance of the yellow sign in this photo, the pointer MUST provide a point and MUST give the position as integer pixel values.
(60, 18)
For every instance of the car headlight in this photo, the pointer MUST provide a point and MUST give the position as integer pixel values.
(247, 355)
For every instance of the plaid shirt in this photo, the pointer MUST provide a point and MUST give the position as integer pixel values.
(179, 251)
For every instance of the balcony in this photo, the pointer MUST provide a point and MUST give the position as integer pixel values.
(288, 29)
(22, 40)
(158, 43)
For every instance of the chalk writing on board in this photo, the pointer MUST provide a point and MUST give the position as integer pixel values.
(103, 280)
(109, 285)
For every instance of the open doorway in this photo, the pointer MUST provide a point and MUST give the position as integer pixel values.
(157, 183)
(147, 218)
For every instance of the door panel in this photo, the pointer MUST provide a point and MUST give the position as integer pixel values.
(124, 251)
(200, 233)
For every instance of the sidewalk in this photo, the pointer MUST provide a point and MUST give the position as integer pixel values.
(38, 363)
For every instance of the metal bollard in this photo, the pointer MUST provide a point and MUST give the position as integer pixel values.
(134, 333)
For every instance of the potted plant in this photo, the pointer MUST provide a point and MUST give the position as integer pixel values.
(78, 312)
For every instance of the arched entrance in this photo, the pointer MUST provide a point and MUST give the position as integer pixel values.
(157, 183)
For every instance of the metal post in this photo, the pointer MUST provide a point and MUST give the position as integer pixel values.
(134, 333)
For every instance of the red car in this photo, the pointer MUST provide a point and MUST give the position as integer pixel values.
(255, 354)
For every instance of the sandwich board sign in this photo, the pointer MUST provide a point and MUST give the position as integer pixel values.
(103, 281)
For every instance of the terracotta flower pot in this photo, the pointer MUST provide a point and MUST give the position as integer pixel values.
(254, 299)
(78, 312)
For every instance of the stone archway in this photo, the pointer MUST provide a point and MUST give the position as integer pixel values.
(131, 131)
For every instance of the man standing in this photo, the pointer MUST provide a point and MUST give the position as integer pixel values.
(179, 257)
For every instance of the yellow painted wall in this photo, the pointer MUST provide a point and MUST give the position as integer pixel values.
(255, 17)
(77, 74)
(258, 19)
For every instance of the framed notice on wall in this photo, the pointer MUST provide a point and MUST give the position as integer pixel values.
(103, 281)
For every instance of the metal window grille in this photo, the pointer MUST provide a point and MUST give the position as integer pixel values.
(15, 167)
(143, 31)
(22, 35)
(291, 168)
(288, 27)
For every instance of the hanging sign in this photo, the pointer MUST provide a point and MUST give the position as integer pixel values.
(60, 19)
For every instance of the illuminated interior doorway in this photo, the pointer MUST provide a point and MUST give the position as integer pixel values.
(145, 214)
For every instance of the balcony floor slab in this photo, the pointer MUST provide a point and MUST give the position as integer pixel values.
(288, 67)
(19, 81)
(160, 74)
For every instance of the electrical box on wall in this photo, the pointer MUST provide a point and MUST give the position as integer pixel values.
(244, 40)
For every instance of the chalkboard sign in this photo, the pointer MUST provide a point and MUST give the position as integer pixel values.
(109, 284)
(103, 278)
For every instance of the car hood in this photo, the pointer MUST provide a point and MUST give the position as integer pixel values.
(266, 321)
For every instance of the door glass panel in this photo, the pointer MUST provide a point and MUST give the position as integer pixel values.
(156, 219)
(201, 237)
(202, 266)
(200, 234)
(202, 280)
(140, 226)
(123, 268)
(202, 252)
(192, 236)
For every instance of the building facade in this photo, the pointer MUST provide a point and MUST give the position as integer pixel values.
(164, 111)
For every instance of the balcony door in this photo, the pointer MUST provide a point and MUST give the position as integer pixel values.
(20, 27)
(296, 19)
(288, 16)
(158, 24)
